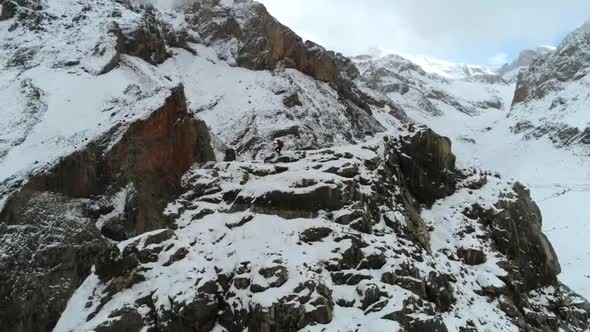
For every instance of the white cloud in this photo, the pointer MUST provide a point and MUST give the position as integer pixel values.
(469, 29)
(498, 59)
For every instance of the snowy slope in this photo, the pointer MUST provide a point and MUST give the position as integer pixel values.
(245, 109)
(310, 265)
(364, 224)
(521, 141)
(559, 179)
(446, 69)
(425, 91)
(53, 101)
(551, 98)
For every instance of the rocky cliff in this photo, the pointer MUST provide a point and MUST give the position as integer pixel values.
(115, 215)
(54, 227)
(549, 100)
(510, 71)
(333, 238)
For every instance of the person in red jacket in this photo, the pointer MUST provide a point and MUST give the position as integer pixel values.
(279, 146)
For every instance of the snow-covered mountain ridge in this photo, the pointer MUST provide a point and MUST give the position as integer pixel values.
(541, 140)
(116, 216)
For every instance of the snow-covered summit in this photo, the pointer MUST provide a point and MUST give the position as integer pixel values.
(551, 97)
(425, 92)
(525, 58)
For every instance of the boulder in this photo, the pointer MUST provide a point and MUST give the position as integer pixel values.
(7, 9)
(315, 234)
(230, 155)
(428, 166)
(143, 39)
(291, 205)
(515, 227)
(292, 100)
(126, 319)
(472, 256)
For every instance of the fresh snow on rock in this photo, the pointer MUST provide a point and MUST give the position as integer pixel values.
(363, 224)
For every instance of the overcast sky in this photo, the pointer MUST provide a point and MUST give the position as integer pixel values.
(472, 31)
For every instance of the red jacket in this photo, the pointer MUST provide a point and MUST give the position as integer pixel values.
(280, 143)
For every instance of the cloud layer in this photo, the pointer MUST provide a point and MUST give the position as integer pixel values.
(460, 30)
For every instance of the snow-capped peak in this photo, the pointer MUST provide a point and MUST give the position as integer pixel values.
(444, 68)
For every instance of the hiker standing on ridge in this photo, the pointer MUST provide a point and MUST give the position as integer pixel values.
(279, 146)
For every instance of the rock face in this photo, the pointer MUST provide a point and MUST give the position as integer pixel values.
(152, 155)
(139, 230)
(144, 40)
(7, 9)
(55, 211)
(45, 258)
(371, 249)
(549, 100)
(429, 166)
(547, 73)
(264, 42)
(523, 242)
(510, 71)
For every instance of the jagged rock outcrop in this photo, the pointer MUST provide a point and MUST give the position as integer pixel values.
(48, 226)
(151, 155)
(515, 224)
(511, 70)
(7, 9)
(259, 41)
(133, 232)
(429, 166)
(145, 40)
(370, 252)
(547, 73)
(549, 100)
(264, 42)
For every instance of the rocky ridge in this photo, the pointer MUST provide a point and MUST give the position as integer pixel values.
(385, 234)
(509, 71)
(428, 93)
(350, 244)
(549, 100)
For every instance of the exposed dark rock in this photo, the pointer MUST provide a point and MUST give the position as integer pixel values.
(440, 291)
(516, 231)
(278, 272)
(7, 10)
(315, 234)
(350, 279)
(242, 222)
(124, 320)
(159, 237)
(178, 255)
(112, 263)
(45, 261)
(415, 285)
(114, 229)
(429, 166)
(152, 154)
(230, 155)
(292, 100)
(472, 256)
(145, 40)
(292, 205)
